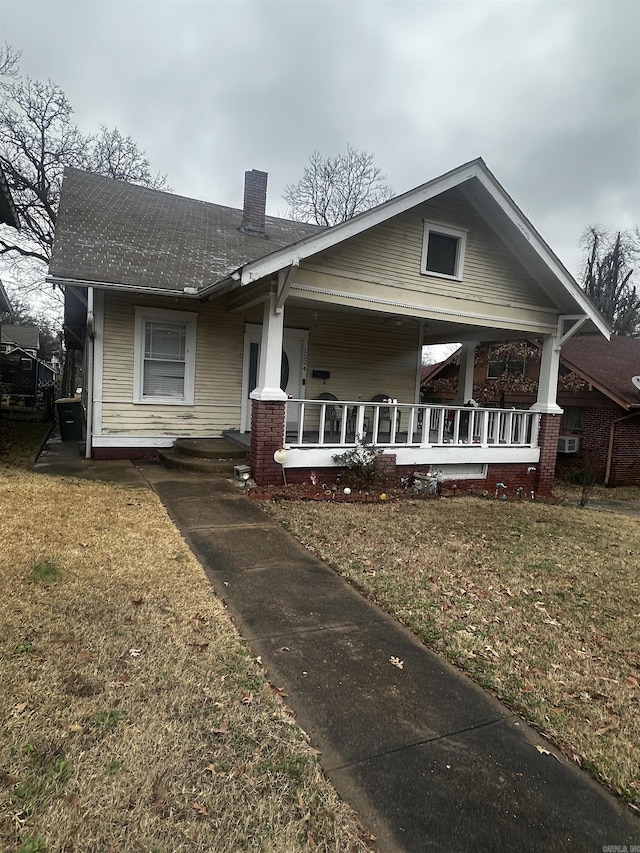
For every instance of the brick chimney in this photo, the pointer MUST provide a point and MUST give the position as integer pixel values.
(255, 202)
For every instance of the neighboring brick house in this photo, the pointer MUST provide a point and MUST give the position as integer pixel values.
(600, 425)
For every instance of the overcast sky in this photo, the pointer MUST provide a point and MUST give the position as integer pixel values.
(546, 91)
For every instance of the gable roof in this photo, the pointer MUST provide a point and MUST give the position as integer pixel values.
(489, 197)
(21, 336)
(8, 212)
(112, 232)
(607, 365)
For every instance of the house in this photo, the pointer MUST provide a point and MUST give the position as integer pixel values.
(24, 377)
(600, 424)
(200, 320)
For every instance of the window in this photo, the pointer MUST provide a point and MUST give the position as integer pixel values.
(164, 369)
(443, 250)
(572, 420)
(500, 361)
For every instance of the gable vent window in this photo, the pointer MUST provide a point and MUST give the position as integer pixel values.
(164, 357)
(443, 251)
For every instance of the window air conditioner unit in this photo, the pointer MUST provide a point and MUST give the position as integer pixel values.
(568, 444)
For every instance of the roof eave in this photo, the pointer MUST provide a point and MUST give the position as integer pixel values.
(63, 281)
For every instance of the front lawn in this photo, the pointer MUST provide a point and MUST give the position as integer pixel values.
(538, 603)
(132, 716)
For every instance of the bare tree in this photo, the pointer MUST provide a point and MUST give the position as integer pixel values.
(334, 189)
(38, 138)
(607, 278)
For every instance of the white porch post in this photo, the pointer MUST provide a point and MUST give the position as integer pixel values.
(465, 376)
(548, 381)
(270, 353)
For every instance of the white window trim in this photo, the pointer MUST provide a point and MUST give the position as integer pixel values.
(448, 231)
(163, 315)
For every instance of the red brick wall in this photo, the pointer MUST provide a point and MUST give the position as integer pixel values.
(594, 446)
(267, 435)
(255, 200)
(548, 443)
(625, 468)
(124, 452)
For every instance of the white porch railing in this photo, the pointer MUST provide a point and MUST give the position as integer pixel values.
(322, 423)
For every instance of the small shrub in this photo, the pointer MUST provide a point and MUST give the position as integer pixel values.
(359, 466)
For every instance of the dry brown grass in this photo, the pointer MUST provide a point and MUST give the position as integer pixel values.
(132, 716)
(538, 603)
(570, 493)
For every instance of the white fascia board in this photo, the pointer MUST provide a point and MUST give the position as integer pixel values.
(127, 288)
(332, 236)
(524, 226)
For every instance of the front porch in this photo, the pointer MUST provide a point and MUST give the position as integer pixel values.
(466, 444)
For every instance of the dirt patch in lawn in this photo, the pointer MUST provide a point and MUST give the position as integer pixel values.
(132, 717)
(538, 603)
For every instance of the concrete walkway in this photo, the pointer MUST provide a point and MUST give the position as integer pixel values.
(428, 759)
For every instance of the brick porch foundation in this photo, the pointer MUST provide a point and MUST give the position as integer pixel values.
(267, 436)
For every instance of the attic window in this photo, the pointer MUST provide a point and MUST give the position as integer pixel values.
(443, 250)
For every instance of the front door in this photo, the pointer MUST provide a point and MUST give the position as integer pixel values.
(292, 373)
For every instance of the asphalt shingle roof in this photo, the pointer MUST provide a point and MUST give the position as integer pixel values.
(611, 364)
(112, 231)
(27, 337)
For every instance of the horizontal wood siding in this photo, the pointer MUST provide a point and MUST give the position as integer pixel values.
(389, 255)
(219, 353)
(364, 355)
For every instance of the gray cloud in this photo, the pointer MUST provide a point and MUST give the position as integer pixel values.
(548, 93)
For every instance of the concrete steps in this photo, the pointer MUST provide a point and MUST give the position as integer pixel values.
(214, 457)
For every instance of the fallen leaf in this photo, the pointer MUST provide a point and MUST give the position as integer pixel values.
(606, 729)
(300, 800)
(544, 751)
(282, 649)
(310, 841)
(137, 601)
(76, 728)
(198, 648)
(394, 661)
(20, 707)
(278, 691)
(527, 688)
(222, 729)
(247, 697)
(200, 808)
(630, 681)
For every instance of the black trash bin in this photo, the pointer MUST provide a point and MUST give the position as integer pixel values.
(70, 418)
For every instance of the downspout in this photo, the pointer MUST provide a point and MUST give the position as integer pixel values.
(612, 432)
(90, 337)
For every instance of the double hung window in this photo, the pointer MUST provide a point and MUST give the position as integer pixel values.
(164, 357)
